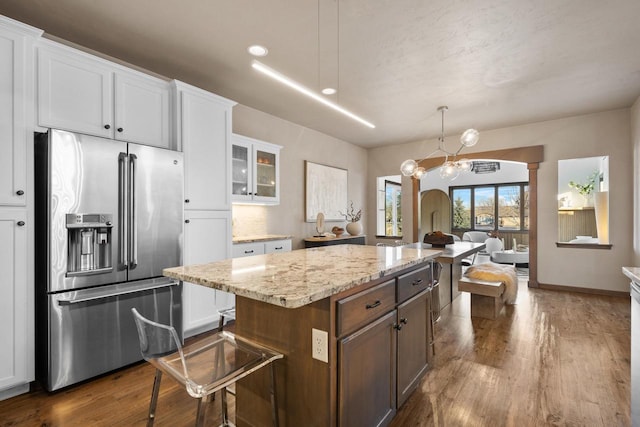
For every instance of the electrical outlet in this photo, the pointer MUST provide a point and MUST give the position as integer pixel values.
(320, 345)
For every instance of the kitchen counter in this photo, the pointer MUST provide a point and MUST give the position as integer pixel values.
(632, 273)
(297, 278)
(452, 255)
(335, 294)
(259, 238)
(453, 252)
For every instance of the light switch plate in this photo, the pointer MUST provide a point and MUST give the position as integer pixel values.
(320, 345)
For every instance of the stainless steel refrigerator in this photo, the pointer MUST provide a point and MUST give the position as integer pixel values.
(108, 220)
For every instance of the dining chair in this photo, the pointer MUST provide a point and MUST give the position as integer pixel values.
(203, 366)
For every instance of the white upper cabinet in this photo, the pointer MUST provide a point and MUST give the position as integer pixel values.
(83, 93)
(204, 133)
(256, 171)
(16, 44)
(142, 110)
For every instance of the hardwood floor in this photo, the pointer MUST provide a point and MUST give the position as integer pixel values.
(556, 358)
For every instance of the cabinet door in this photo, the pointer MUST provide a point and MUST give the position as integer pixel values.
(242, 171)
(142, 110)
(16, 313)
(413, 342)
(207, 152)
(266, 176)
(75, 93)
(13, 143)
(367, 399)
(207, 239)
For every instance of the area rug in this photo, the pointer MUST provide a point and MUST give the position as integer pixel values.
(492, 272)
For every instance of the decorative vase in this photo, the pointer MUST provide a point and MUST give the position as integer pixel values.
(354, 228)
(588, 200)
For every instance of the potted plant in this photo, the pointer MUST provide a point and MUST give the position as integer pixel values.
(354, 227)
(587, 188)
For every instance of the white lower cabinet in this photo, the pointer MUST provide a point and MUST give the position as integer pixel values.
(207, 238)
(16, 304)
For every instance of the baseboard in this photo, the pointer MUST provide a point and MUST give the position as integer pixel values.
(14, 391)
(583, 290)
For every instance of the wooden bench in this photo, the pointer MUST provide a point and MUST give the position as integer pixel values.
(486, 297)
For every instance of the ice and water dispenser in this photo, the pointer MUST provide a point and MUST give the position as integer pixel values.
(89, 243)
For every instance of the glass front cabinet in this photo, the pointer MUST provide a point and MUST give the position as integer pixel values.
(256, 171)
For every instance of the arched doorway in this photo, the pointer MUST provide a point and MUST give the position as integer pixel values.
(532, 156)
(435, 212)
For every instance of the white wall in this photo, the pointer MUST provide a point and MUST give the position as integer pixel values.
(606, 133)
(299, 144)
(635, 137)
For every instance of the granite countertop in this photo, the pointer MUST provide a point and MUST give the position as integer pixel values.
(632, 273)
(297, 278)
(260, 238)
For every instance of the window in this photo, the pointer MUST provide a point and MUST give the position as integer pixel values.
(492, 207)
(484, 208)
(389, 206)
(461, 208)
(393, 209)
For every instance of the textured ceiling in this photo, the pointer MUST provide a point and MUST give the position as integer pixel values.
(495, 63)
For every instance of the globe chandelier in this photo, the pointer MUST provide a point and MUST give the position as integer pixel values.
(451, 168)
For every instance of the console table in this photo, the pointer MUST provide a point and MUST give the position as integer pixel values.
(314, 242)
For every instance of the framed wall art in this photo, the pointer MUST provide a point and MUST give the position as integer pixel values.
(325, 191)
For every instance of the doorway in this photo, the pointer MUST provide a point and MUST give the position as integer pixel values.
(532, 156)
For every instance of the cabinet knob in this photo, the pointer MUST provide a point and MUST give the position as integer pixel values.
(403, 320)
(186, 221)
(186, 200)
(107, 126)
(119, 129)
(397, 327)
(21, 223)
(249, 252)
(20, 192)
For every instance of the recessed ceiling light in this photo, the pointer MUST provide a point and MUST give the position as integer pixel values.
(328, 91)
(257, 50)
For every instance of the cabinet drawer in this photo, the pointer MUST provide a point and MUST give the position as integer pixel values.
(247, 249)
(412, 283)
(277, 246)
(362, 308)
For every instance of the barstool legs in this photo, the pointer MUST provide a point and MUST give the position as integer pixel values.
(272, 392)
(154, 398)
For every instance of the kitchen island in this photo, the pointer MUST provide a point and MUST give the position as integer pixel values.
(344, 317)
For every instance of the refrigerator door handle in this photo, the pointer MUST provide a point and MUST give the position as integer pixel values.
(122, 210)
(133, 228)
(114, 293)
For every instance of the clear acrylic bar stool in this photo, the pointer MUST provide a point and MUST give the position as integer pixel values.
(202, 367)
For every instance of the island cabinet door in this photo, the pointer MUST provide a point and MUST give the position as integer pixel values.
(413, 343)
(367, 374)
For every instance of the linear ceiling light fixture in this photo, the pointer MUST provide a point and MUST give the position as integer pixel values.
(450, 168)
(302, 89)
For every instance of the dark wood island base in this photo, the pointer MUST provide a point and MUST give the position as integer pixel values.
(379, 336)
